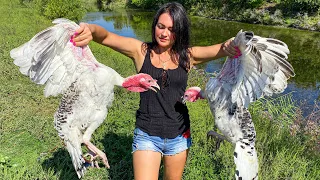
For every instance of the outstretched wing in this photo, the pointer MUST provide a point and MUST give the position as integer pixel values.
(261, 70)
(87, 86)
(49, 58)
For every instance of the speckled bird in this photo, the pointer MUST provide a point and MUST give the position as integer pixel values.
(86, 85)
(261, 70)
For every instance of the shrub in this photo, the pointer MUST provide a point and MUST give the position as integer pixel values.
(294, 6)
(154, 4)
(145, 4)
(73, 10)
(244, 4)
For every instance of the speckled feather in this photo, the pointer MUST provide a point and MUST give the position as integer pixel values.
(87, 85)
(261, 70)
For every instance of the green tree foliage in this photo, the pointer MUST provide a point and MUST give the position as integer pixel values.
(242, 4)
(210, 3)
(73, 10)
(289, 6)
(294, 6)
(144, 3)
(154, 4)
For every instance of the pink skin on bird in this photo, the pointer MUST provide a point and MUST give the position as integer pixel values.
(192, 94)
(140, 83)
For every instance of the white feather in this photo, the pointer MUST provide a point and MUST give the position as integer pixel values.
(87, 86)
(262, 70)
(245, 161)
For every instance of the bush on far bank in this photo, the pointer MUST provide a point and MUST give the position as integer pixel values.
(52, 9)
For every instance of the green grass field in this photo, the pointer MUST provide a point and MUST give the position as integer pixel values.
(31, 149)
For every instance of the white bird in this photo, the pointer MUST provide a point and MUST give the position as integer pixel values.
(87, 85)
(261, 70)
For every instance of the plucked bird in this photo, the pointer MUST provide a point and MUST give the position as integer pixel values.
(86, 85)
(260, 70)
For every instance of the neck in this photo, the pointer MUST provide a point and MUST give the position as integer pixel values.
(161, 50)
(131, 83)
(201, 95)
(164, 56)
(118, 79)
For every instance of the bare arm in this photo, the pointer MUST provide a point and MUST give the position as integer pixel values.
(201, 54)
(128, 46)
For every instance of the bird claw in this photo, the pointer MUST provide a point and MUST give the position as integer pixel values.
(92, 162)
(97, 153)
(217, 137)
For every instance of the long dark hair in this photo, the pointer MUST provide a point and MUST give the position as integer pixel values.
(181, 29)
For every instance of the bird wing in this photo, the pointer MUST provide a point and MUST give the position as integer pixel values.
(261, 70)
(49, 58)
(87, 86)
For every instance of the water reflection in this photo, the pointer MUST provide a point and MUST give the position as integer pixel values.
(112, 22)
(304, 45)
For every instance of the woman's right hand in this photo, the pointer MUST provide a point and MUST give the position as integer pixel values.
(82, 36)
(231, 49)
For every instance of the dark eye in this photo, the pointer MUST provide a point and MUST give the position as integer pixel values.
(149, 81)
(160, 26)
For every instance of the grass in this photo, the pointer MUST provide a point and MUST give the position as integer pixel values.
(31, 149)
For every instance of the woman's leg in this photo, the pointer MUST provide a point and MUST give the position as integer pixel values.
(174, 165)
(146, 165)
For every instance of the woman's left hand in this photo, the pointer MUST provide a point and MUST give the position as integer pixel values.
(231, 49)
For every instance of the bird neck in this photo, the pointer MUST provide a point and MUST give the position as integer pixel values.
(198, 93)
(132, 83)
(201, 95)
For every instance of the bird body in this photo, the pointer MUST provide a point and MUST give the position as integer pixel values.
(50, 58)
(261, 70)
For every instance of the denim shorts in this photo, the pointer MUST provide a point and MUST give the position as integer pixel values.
(167, 147)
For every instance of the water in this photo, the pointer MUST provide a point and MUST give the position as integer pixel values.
(304, 45)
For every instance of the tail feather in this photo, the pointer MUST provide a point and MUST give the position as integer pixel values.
(76, 157)
(245, 158)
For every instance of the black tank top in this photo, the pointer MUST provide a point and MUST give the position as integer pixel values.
(163, 114)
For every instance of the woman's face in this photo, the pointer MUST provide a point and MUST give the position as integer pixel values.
(163, 31)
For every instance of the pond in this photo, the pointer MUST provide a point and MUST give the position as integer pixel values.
(304, 45)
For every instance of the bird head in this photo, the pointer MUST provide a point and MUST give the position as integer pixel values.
(192, 94)
(140, 82)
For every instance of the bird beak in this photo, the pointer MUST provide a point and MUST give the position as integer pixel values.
(155, 87)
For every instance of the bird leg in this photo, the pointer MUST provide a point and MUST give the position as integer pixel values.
(217, 137)
(97, 153)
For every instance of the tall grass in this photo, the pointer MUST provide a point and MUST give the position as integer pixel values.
(31, 149)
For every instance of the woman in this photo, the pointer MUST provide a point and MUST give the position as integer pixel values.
(162, 121)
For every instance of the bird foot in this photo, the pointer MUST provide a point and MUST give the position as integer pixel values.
(104, 159)
(92, 162)
(217, 137)
(95, 152)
